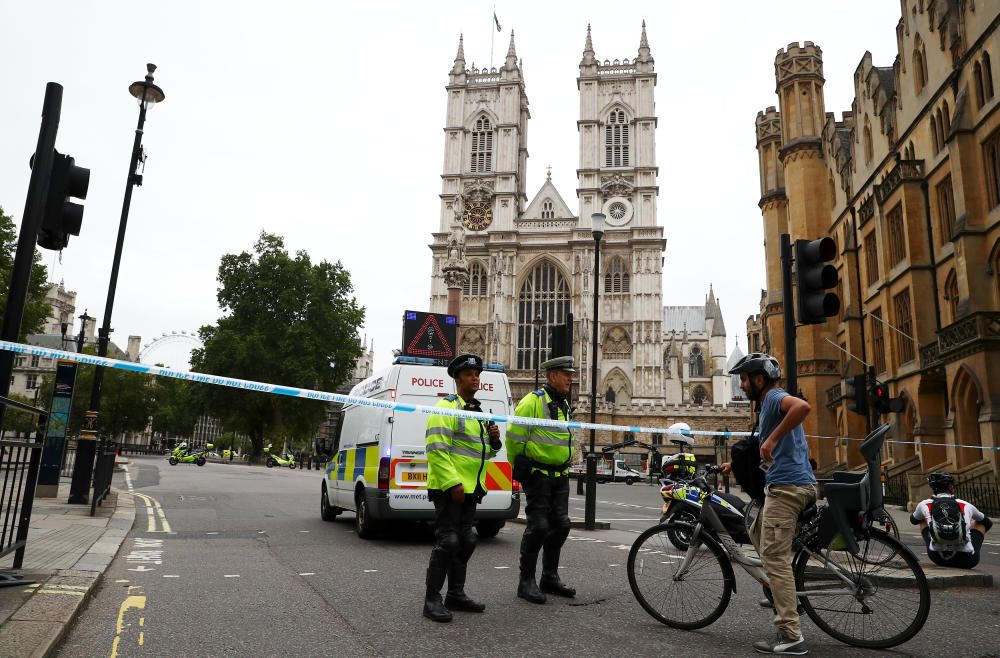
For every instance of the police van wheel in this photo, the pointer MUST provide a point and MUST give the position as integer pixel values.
(327, 511)
(489, 529)
(364, 524)
(630, 481)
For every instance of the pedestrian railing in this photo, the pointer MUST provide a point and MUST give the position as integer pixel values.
(20, 457)
(985, 495)
(104, 470)
(895, 490)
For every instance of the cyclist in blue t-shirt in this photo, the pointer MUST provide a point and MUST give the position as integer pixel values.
(791, 487)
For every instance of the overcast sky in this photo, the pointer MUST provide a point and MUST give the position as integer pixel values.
(322, 122)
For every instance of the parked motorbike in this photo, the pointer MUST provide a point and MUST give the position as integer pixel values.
(180, 456)
(272, 460)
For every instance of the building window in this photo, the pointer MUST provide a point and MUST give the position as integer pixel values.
(945, 122)
(19, 362)
(544, 293)
(977, 75)
(482, 146)
(987, 78)
(868, 141)
(878, 340)
(871, 259)
(696, 362)
(897, 236)
(699, 395)
(935, 144)
(616, 280)
(919, 68)
(31, 382)
(34, 361)
(951, 294)
(475, 287)
(548, 211)
(991, 153)
(904, 325)
(616, 142)
(946, 208)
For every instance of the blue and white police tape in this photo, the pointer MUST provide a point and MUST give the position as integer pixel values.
(309, 394)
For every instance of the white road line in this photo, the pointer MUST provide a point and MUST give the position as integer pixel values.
(371, 570)
(308, 573)
(231, 575)
(211, 533)
(170, 576)
(501, 567)
(303, 531)
(614, 565)
(128, 479)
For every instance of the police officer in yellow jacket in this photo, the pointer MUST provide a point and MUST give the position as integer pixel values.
(541, 457)
(457, 452)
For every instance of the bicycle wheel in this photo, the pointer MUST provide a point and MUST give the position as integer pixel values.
(884, 607)
(882, 520)
(689, 600)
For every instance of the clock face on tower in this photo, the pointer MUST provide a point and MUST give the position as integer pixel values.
(478, 216)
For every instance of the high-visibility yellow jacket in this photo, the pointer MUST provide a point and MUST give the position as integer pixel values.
(544, 445)
(457, 450)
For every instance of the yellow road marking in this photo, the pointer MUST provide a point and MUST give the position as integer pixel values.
(131, 601)
(153, 511)
(142, 638)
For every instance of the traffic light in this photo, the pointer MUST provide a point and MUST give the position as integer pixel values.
(815, 276)
(63, 218)
(883, 403)
(857, 394)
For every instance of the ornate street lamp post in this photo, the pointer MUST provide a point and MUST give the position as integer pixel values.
(590, 505)
(148, 94)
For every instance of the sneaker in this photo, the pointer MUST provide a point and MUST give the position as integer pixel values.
(781, 644)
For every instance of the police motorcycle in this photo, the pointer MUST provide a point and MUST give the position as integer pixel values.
(180, 455)
(271, 460)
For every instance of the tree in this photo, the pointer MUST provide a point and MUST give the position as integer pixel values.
(286, 321)
(18, 421)
(37, 308)
(175, 406)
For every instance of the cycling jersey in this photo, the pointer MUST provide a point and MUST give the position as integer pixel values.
(971, 513)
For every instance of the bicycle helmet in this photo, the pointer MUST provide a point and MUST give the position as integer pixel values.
(940, 481)
(681, 466)
(758, 362)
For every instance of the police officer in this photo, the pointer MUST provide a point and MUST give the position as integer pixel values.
(457, 452)
(541, 458)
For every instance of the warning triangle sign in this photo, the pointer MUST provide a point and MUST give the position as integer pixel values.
(430, 340)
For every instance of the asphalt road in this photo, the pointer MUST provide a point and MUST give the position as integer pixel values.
(235, 560)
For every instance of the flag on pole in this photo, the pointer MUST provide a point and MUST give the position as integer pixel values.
(497, 22)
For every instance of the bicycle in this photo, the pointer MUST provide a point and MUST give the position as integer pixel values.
(842, 579)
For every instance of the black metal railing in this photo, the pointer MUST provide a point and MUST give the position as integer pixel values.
(985, 495)
(139, 449)
(20, 457)
(895, 491)
(104, 469)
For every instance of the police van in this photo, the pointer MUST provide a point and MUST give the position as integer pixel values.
(379, 466)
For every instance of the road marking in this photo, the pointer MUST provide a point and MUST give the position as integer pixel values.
(231, 575)
(211, 533)
(614, 565)
(501, 567)
(371, 570)
(170, 575)
(154, 511)
(128, 479)
(303, 531)
(308, 573)
(142, 568)
(137, 601)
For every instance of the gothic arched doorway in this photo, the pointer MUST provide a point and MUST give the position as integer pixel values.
(965, 414)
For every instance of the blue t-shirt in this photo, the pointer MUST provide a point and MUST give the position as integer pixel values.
(791, 455)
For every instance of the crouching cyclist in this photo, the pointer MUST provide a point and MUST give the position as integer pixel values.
(953, 529)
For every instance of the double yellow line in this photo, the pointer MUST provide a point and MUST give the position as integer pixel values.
(154, 514)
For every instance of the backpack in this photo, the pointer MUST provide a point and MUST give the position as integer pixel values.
(947, 522)
(745, 464)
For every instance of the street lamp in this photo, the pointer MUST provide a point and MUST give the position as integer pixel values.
(538, 344)
(590, 505)
(84, 319)
(148, 94)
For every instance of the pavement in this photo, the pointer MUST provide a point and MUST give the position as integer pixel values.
(66, 554)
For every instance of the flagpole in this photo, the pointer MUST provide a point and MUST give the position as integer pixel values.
(493, 32)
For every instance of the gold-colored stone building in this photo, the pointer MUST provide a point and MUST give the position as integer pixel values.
(907, 183)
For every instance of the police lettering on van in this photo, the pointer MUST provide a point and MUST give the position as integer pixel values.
(379, 466)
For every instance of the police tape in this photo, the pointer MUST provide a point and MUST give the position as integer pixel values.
(324, 396)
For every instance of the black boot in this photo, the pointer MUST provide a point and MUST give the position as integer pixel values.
(433, 607)
(550, 582)
(527, 589)
(457, 599)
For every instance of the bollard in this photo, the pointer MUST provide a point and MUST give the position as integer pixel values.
(579, 486)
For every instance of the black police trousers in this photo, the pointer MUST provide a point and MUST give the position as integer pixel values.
(547, 512)
(455, 537)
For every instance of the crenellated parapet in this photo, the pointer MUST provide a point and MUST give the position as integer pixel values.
(797, 62)
(772, 172)
(799, 74)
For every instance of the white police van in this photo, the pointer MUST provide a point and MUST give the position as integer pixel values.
(379, 466)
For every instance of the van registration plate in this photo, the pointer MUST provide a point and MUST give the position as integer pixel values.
(414, 476)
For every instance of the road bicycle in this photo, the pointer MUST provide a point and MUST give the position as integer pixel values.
(843, 580)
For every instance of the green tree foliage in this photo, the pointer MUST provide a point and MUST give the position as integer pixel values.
(128, 399)
(36, 309)
(176, 406)
(18, 421)
(286, 321)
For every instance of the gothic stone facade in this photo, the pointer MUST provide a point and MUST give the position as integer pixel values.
(908, 185)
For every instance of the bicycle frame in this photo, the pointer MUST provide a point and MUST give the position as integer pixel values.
(752, 565)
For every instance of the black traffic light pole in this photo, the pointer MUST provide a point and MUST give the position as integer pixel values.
(86, 449)
(788, 310)
(31, 221)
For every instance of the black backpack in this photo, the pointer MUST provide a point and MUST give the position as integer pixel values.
(947, 522)
(745, 464)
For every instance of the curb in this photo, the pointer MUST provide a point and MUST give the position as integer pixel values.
(573, 523)
(38, 627)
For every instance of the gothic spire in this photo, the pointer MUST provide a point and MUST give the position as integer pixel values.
(459, 66)
(644, 54)
(511, 62)
(588, 51)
